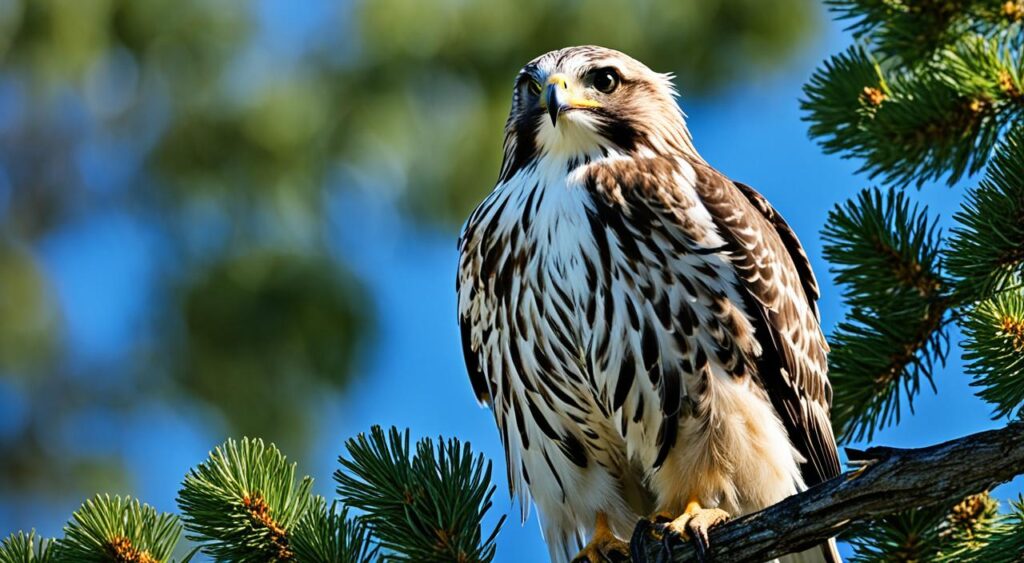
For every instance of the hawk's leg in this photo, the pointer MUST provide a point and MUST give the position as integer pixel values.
(693, 524)
(604, 547)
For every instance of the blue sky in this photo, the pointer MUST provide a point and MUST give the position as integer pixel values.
(104, 269)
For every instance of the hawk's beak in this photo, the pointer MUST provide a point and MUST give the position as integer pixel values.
(559, 96)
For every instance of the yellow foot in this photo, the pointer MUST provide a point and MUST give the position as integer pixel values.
(604, 547)
(692, 525)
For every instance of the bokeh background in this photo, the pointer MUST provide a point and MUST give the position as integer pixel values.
(239, 218)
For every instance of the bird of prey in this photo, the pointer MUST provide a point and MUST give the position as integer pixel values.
(644, 329)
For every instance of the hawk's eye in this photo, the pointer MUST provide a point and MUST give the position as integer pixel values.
(533, 85)
(605, 80)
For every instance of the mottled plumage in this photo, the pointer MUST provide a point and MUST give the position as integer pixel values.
(644, 329)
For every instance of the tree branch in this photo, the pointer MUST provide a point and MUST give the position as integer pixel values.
(891, 480)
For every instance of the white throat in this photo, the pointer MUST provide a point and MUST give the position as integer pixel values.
(575, 136)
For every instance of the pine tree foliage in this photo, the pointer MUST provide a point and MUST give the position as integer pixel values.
(914, 30)
(885, 256)
(440, 495)
(931, 92)
(118, 529)
(907, 536)
(329, 534)
(994, 350)
(245, 503)
(25, 548)
(242, 502)
(920, 117)
(928, 534)
(986, 248)
(1004, 541)
(912, 117)
(843, 97)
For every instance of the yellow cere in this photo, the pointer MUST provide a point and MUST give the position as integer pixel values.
(575, 100)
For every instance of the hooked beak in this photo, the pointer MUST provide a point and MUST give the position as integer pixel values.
(557, 99)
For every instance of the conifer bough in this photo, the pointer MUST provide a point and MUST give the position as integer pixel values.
(931, 92)
(245, 504)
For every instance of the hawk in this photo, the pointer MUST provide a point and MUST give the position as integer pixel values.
(644, 329)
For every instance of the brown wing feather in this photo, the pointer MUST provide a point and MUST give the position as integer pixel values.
(789, 240)
(776, 273)
(780, 289)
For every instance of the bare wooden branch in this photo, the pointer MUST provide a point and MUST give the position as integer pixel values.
(892, 480)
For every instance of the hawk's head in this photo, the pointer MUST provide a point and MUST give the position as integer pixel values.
(587, 101)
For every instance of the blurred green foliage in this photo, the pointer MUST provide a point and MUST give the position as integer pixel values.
(226, 138)
(307, 298)
(29, 331)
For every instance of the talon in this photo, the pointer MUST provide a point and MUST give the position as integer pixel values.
(672, 532)
(700, 546)
(692, 525)
(699, 524)
(656, 528)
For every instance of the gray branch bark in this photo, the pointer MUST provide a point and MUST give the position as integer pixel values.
(890, 481)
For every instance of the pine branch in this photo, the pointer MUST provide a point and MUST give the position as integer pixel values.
(927, 95)
(877, 364)
(914, 30)
(994, 350)
(841, 99)
(986, 248)
(929, 131)
(329, 535)
(910, 535)
(423, 507)
(928, 119)
(885, 256)
(927, 534)
(243, 502)
(1005, 541)
(878, 244)
(122, 530)
(971, 521)
(26, 548)
(891, 480)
